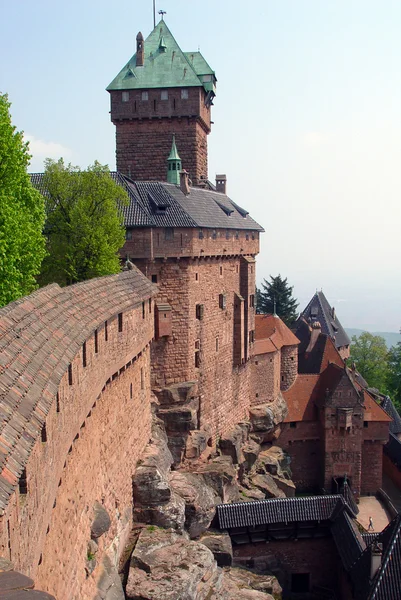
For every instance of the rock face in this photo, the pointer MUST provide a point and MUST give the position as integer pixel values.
(109, 583)
(168, 566)
(200, 506)
(221, 475)
(266, 418)
(220, 544)
(101, 522)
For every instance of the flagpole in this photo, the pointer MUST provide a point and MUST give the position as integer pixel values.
(154, 14)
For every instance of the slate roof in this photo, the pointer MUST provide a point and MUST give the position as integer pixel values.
(320, 310)
(348, 540)
(159, 204)
(164, 67)
(387, 583)
(277, 510)
(39, 336)
(395, 426)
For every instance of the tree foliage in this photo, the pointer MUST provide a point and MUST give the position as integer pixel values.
(84, 225)
(394, 374)
(22, 245)
(370, 354)
(276, 295)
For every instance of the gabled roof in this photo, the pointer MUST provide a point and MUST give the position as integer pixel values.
(39, 336)
(320, 310)
(165, 65)
(201, 208)
(277, 510)
(273, 328)
(348, 540)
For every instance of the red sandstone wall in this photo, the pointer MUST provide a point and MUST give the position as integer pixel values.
(224, 388)
(343, 449)
(372, 466)
(45, 532)
(265, 377)
(289, 366)
(142, 147)
(303, 444)
(152, 243)
(315, 556)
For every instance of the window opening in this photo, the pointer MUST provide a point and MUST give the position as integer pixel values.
(125, 96)
(57, 402)
(43, 434)
(84, 354)
(154, 278)
(23, 484)
(130, 390)
(142, 379)
(143, 310)
(145, 96)
(106, 331)
(70, 374)
(120, 322)
(96, 342)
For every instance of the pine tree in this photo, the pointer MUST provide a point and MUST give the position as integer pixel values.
(84, 226)
(276, 296)
(22, 245)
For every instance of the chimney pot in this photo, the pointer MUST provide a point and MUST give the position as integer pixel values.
(184, 182)
(140, 50)
(221, 183)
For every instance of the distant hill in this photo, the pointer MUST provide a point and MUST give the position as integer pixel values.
(391, 338)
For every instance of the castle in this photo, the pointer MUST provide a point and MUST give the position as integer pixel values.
(83, 368)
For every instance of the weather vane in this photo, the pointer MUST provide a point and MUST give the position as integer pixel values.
(162, 13)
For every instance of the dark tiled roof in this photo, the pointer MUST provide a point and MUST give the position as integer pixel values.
(387, 583)
(395, 426)
(39, 336)
(348, 540)
(203, 206)
(320, 310)
(369, 538)
(277, 510)
(157, 204)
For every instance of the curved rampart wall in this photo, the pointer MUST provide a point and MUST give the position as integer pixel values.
(75, 409)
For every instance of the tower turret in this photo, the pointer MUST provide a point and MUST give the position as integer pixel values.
(174, 165)
(160, 91)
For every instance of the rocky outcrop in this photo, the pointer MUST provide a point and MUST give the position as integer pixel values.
(101, 521)
(266, 419)
(221, 475)
(199, 499)
(219, 542)
(168, 566)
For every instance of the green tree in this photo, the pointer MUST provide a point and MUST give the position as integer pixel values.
(394, 374)
(84, 225)
(22, 245)
(370, 354)
(276, 295)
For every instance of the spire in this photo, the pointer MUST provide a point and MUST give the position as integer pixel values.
(174, 164)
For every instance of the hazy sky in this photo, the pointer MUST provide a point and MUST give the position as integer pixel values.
(307, 122)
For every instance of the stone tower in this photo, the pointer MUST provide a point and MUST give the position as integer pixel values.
(162, 91)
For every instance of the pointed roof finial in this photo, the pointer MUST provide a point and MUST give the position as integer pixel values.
(174, 152)
(162, 13)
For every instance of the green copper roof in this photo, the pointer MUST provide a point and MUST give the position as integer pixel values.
(174, 152)
(165, 65)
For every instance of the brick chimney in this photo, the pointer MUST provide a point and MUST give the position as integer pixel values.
(221, 183)
(315, 331)
(140, 50)
(184, 182)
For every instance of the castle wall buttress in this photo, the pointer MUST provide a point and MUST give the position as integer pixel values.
(289, 366)
(265, 377)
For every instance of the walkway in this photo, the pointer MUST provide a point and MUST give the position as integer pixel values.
(369, 506)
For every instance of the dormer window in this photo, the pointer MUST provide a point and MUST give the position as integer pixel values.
(184, 94)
